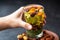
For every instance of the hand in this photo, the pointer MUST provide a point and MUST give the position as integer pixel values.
(15, 19)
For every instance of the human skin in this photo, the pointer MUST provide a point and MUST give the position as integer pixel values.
(14, 20)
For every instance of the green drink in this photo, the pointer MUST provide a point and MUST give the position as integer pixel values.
(35, 17)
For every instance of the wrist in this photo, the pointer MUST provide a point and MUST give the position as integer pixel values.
(8, 22)
(4, 23)
(5, 20)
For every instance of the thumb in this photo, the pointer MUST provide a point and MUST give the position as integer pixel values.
(25, 25)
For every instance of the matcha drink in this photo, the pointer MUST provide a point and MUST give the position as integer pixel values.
(35, 17)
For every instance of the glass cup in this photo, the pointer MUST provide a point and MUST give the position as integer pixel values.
(35, 16)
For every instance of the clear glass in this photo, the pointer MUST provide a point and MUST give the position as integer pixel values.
(36, 20)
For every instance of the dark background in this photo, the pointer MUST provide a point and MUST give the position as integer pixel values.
(52, 10)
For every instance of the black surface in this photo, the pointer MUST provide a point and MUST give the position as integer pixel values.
(52, 9)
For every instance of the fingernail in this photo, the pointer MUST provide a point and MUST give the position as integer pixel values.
(29, 27)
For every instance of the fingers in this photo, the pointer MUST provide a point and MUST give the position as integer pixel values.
(33, 5)
(25, 25)
(44, 22)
